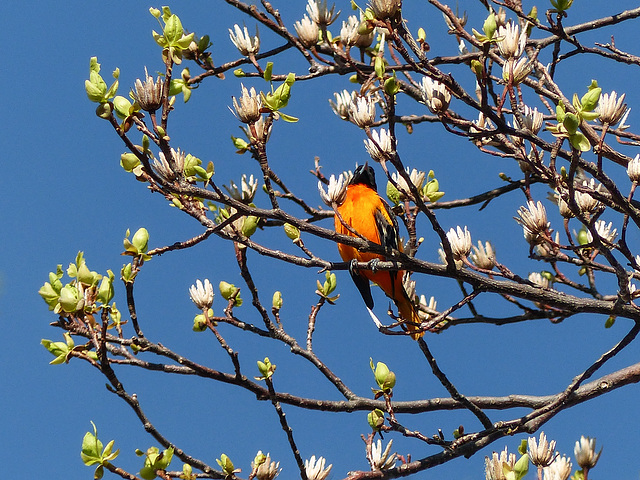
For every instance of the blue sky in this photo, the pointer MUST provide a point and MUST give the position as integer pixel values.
(64, 191)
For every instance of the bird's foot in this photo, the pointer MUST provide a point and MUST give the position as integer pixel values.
(373, 263)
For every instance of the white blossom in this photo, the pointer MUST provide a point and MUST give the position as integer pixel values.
(245, 43)
(320, 14)
(483, 256)
(633, 169)
(336, 191)
(611, 108)
(493, 467)
(315, 469)
(541, 452)
(248, 189)
(267, 470)
(341, 106)
(385, 8)
(247, 108)
(540, 280)
(516, 71)
(260, 127)
(460, 241)
(604, 231)
(586, 202)
(202, 294)
(531, 120)
(585, 452)
(349, 30)
(435, 94)
(513, 42)
(533, 219)
(307, 31)
(163, 167)
(362, 111)
(382, 459)
(560, 469)
(379, 146)
(416, 177)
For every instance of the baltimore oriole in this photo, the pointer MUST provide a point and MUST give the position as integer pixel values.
(370, 216)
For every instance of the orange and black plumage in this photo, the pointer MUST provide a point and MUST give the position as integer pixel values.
(370, 216)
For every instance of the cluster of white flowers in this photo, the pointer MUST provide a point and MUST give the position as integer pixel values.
(542, 453)
(511, 46)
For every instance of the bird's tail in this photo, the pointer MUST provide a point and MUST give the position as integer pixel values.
(409, 314)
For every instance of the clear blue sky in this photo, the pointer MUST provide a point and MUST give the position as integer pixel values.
(64, 191)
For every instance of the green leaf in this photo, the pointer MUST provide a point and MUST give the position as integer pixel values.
(521, 467)
(571, 123)
(91, 448)
(268, 71)
(580, 142)
(173, 29)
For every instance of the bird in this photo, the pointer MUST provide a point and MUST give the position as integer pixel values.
(366, 213)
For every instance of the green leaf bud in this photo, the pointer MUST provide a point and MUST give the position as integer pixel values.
(490, 26)
(391, 86)
(155, 12)
(122, 106)
(375, 419)
(477, 68)
(126, 273)
(292, 231)
(385, 378)
(583, 236)
(266, 369)
(50, 295)
(240, 144)
(378, 66)
(106, 291)
(200, 322)
(103, 110)
(70, 299)
(228, 290)
(276, 302)
(250, 225)
(226, 464)
(521, 467)
(571, 123)
(393, 194)
(140, 240)
(173, 29)
(129, 161)
(590, 99)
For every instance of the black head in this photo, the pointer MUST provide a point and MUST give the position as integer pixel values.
(364, 175)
